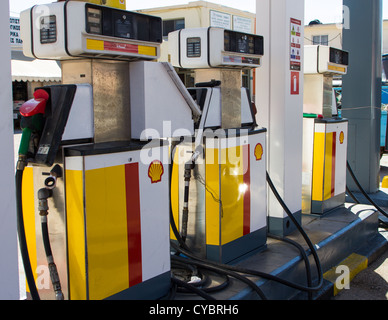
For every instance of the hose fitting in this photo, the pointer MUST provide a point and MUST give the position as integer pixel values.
(22, 162)
(43, 195)
(189, 166)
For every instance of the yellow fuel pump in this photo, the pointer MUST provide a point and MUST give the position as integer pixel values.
(105, 219)
(325, 134)
(219, 193)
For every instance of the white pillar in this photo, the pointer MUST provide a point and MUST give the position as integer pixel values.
(9, 274)
(279, 99)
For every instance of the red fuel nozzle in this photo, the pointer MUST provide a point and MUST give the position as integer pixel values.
(36, 105)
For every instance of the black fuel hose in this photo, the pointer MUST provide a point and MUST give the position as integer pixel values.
(365, 194)
(204, 278)
(300, 229)
(304, 257)
(351, 194)
(220, 269)
(22, 237)
(192, 288)
(182, 248)
(50, 260)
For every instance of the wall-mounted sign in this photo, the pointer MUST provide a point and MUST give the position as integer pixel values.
(220, 20)
(242, 24)
(295, 44)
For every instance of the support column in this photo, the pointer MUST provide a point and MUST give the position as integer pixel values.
(9, 274)
(361, 102)
(279, 100)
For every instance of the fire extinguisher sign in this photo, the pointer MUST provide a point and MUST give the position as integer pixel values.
(294, 82)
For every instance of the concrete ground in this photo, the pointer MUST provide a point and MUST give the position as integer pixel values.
(372, 283)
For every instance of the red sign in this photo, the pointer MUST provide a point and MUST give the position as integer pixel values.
(294, 83)
(121, 47)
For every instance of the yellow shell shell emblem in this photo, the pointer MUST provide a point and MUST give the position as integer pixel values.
(342, 137)
(259, 152)
(155, 171)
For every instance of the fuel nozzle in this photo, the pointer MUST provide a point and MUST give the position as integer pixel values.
(32, 123)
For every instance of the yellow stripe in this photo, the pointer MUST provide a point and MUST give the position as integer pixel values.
(212, 206)
(328, 165)
(147, 51)
(94, 44)
(29, 216)
(318, 166)
(232, 179)
(76, 234)
(336, 68)
(175, 192)
(355, 262)
(106, 231)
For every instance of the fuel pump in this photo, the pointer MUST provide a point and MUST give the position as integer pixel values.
(325, 134)
(108, 213)
(219, 176)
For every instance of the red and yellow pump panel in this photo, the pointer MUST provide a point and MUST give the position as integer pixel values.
(227, 206)
(115, 206)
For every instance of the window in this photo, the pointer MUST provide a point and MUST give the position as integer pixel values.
(324, 40)
(172, 25)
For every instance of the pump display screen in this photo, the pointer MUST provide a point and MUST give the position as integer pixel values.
(123, 24)
(243, 43)
(339, 56)
(48, 30)
(194, 47)
(94, 20)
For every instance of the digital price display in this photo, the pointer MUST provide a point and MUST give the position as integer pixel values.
(339, 57)
(243, 43)
(123, 24)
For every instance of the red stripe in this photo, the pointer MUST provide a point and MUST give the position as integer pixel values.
(133, 224)
(121, 47)
(247, 195)
(333, 163)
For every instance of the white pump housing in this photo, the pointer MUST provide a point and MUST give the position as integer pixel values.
(63, 30)
(323, 59)
(200, 48)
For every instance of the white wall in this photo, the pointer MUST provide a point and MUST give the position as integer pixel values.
(9, 274)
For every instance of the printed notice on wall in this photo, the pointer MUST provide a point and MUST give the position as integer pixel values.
(220, 20)
(14, 31)
(296, 45)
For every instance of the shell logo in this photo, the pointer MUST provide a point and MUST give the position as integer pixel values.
(259, 152)
(342, 137)
(155, 171)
